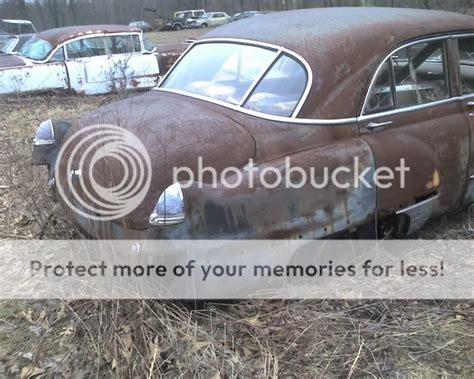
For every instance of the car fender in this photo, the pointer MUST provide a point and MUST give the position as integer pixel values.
(217, 211)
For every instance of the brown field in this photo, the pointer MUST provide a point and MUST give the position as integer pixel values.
(399, 339)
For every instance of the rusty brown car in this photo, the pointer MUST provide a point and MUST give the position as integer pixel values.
(376, 86)
(89, 59)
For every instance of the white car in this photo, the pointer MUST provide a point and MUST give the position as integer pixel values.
(89, 59)
(210, 20)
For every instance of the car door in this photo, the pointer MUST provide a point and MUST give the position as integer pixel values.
(35, 77)
(412, 118)
(465, 63)
(106, 64)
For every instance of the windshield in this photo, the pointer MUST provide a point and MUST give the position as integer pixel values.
(8, 44)
(229, 72)
(36, 49)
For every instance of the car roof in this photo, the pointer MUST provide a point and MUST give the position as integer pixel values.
(343, 46)
(60, 35)
(9, 21)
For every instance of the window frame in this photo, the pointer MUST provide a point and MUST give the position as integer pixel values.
(457, 62)
(395, 109)
(280, 51)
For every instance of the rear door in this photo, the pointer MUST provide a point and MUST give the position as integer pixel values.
(104, 64)
(465, 52)
(413, 118)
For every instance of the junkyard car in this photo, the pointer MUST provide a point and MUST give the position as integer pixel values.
(342, 85)
(10, 44)
(89, 59)
(210, 19)
(246, 14)
(17, 27)
(142, 25)
(182, 19)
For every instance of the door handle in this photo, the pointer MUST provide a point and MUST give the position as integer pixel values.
(470, 104)
(375, 125)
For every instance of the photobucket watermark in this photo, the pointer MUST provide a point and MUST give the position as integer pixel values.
(293, 176)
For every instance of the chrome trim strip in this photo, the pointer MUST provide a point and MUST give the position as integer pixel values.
(279, 49)
(374, 78)
(416, 205)
(265, 116)
(409, 109)
(63, 44)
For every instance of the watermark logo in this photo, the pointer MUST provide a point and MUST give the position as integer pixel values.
(85, 154)
(292, 176)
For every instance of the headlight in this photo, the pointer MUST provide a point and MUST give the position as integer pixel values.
(44, 134)
(169, 209)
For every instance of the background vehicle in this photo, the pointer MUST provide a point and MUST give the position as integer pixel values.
(90, 59)
(211, 19)
(142, 25)
(181, 19)
(246, 14)
(17, 27)
(10, 43)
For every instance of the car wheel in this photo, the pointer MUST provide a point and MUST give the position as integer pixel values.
(178, 27)
(203, 25)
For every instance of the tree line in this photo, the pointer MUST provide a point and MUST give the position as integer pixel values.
(55, 13)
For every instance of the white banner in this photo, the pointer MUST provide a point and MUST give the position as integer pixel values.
(236, 269)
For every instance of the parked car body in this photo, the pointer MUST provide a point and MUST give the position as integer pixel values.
(246, 14)
(142, 25)
(17, 27)
(89, 59)
(212, 19)
(182, 19)
(10, 44)
(400, 86)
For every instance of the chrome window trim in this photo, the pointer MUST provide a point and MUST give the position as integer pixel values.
(452, 98)
(414, 108)
(278, 49)
(287, 120)
(63, 44)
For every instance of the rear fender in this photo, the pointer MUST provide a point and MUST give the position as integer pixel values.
(217, 212)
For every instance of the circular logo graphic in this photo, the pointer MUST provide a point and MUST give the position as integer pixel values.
(95, 149)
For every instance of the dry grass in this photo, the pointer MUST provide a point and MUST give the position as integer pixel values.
(175, 36)
(397, 339)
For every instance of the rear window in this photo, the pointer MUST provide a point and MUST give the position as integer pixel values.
(254, 77)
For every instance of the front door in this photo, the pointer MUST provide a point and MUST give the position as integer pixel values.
(413, 122)
(465, 47)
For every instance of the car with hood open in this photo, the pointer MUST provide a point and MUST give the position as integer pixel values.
(89, 59)
(372, 86)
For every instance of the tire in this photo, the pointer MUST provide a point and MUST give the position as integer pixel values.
(178, 27)
(204, 25)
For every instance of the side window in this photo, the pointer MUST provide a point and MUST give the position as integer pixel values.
(58, 56)
(412, 76)
(420, 74)
(85, 48)
(381, 95)
(466, 59)
(120, 44)
(280, 91)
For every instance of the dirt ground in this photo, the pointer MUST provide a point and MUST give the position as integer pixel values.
(399, 339)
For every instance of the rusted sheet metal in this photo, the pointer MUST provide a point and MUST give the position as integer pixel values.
(60, 35)
(11, 61)
(282, 213)
(436, 155)
(33, 78)
(343, 48)
(167, 54)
